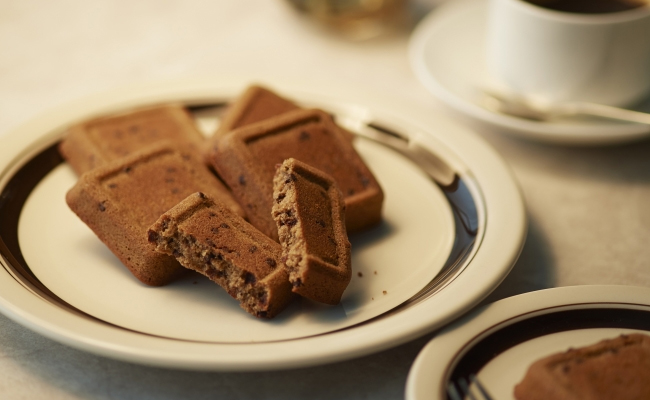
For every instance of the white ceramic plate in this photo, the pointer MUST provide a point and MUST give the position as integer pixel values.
(446, 53)
(498, 342)
(433, 257)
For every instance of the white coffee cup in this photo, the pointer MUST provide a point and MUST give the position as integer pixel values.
(564, 56)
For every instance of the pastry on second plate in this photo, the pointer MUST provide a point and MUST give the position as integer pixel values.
(95, 142)
(310, 214)
(121, 199)
(617, 368)
(208, 238)
(246, 159)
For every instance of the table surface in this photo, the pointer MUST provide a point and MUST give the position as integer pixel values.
(588, 208)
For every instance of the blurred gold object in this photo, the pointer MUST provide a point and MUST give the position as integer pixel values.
(356, 19)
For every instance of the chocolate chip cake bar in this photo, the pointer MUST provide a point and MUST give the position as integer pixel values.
(100, 140)
(121, 199)
(207, 237)
(310, 215)
(246, 160)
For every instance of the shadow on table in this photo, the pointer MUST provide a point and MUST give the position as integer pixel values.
(629, 162)
(43, 368)
(534, 270)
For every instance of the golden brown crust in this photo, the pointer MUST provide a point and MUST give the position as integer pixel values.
(206, 237)
(310, 214)
(93, 143)
(246, 158)
(122, 198)
(611, 369)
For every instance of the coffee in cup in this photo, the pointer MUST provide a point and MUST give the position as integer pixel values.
(589, 6)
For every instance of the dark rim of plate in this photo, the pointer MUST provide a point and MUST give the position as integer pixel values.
(489, 343)
(27, 170)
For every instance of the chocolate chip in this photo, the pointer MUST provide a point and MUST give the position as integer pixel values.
(304, 135)
(271, 262)
(261, 314)
(112, 185)
(102, 206)
(365, 181)
(360, 274)
(176, 253)
(249, 278)
(224, 225)
(291, 222)
(152, 236)
(290, 178)
(209, 257)
(321, 223)
(350, 192)
(264, 299)
(253, 249)
(297, 283)
(280, 197)
(214, 230)
(242, 180)
(202, 195)
(126, 170)
(175, 190)
(210, 243)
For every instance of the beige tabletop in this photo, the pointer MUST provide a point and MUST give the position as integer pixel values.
(588, 208)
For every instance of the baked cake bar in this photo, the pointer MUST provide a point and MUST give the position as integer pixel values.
(611, 369)
(98, 141)
(310, 215)
(246, 159)
(121, 199)
(256, 104)
(207, 237)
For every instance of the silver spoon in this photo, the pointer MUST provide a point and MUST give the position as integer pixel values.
(504, 102)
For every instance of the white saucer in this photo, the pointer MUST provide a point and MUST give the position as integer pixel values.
(499, 341)
(447, 56)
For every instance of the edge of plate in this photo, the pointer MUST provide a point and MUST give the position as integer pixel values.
(495, 258)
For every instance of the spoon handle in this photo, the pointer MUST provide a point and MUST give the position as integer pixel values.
(601, 110)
